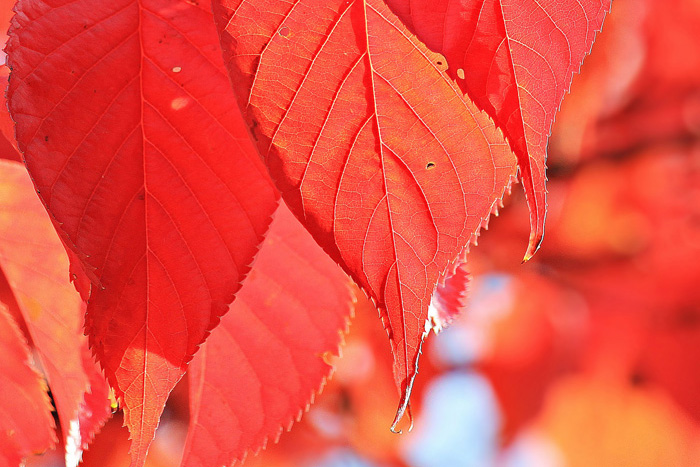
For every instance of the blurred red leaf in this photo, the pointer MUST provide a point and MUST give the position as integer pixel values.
(392, 172)
(263, 366)
(26, 424)
(154, 185)
(515, 59)
(36, 266)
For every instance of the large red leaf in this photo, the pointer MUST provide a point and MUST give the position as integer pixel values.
(26, 424)
(515, 59)
(136, 145)
(371, 144)
(36, 267)
(262, 367)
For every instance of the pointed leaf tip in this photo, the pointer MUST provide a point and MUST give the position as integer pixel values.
(536, 238)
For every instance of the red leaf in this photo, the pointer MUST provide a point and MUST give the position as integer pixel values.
(133, 139)
(26, 424)
(8, 149)
(450, 298)
(392, 171)
(260, 370)
(515, 59)
(35, 264)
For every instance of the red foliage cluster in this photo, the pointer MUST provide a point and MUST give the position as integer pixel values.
(392, 130)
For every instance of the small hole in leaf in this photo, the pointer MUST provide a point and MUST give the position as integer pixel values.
(439, 62)
(430, 165)
(284, 31)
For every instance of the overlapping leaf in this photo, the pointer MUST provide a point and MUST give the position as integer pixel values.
(26, 424)
(133, 139)
(515, 59)
(35, 264)
(390, 167)
(262, 367)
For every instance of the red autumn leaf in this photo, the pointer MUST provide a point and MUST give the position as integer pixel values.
(372, 145)
(7, 128)
(450, 298)
(515, 59)
(263, 366)
(134, 141)
(35, 264)
(26, 424)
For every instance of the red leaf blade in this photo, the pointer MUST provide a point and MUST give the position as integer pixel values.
(263, 366)
(26, 424)
(392, 172)
(36, 267)
(516, 60)
(134, 141)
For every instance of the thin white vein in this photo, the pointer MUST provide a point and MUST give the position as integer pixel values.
(205, 164)
(456, 90)
(262, 52)
(97, 120)
(72, 38)
(340, 183)
(303, 81)
(386, 188)
(369, 226)
(554, 23)
(323, 127)
(101, 179)
(141, 449)
(437, 140)
(184, 36)
(425, 199)
(201, 207)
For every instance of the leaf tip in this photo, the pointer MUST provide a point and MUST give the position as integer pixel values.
(404, 409)
(534, 244)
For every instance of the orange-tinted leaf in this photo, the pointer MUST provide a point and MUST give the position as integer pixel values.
(36, 267)
(263, 366)
(392, 171)
(26, 424)
(133, 139)
(515, 59)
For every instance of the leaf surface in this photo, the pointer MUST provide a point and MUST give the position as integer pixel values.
(386, 162)
(8, 149)
(135, 143)
(35, 264)
(515, 59)
(262, 367)
(450, 297)
(26, 424)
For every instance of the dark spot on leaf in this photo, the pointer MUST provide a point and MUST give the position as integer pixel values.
(430, 165)
(688, 318)
(46, 138)
(439, 62)
(637, 379)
